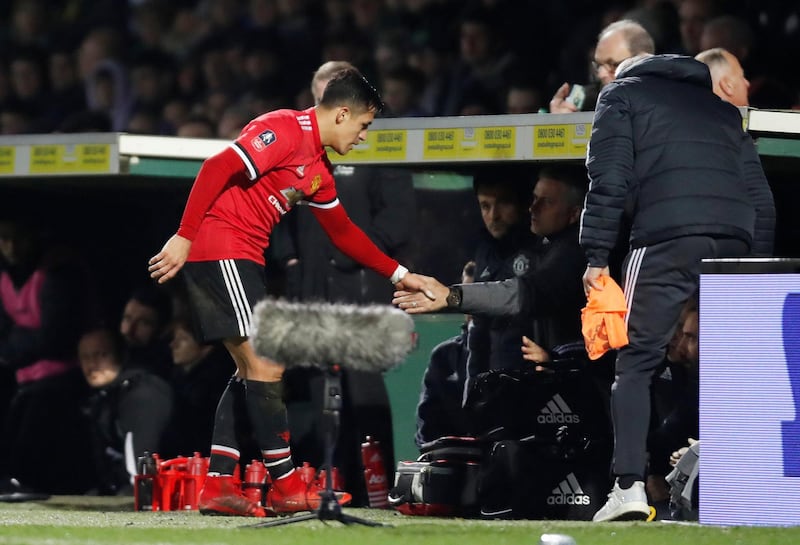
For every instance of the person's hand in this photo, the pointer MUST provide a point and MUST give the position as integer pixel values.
(675, 457)
(166, 263)
(559, 103)
(418, 283)
(591, 278)
(533, 352)
(416, 301)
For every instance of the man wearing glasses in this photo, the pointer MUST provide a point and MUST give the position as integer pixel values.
(618, 41)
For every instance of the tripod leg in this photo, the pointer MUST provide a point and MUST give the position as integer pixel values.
(329, 508)
(300, 517)
(350, 519)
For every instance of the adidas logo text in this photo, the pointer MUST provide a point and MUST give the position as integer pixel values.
(558, 419)
(557, 412)
(568, 492)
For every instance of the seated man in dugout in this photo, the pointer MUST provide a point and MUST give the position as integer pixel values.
(550, 293)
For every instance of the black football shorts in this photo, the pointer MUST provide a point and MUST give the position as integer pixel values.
(221, 296)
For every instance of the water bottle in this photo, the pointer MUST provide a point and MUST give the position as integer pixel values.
(196, 467)
(144, 483)
(337, 483)
(375, 477)
(255, 476)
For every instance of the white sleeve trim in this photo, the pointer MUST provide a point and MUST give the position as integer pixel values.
(251, 169)
(398, 274)
(327, 205)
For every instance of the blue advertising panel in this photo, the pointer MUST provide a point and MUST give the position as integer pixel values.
(750, 394)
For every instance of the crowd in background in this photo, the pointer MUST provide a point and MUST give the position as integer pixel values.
(204, 68)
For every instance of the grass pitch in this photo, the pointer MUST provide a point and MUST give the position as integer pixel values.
(66, 520)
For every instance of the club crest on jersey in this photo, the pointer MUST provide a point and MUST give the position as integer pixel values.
(315, 183)
(521, 264)
(263, 140)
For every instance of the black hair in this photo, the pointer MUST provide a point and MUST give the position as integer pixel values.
(574, 177)
(349, 87)
(156, 298)
(113, 335)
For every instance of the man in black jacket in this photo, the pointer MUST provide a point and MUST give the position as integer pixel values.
(128, 411)
(505, 250)
(672, 157)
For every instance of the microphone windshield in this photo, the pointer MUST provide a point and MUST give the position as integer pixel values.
(365, 338)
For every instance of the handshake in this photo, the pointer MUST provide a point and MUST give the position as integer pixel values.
(418, 294)
(422, 294)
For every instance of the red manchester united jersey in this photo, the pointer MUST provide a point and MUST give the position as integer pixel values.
(284, 163)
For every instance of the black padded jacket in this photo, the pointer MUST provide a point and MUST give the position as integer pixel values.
(666, 151)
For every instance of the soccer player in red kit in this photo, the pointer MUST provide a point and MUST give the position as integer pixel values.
(238, 196)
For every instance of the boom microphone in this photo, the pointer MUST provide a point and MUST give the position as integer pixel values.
(365, 338)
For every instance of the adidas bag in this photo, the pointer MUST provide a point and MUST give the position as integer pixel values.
(442, 482)
(512, 404)
(533, 480)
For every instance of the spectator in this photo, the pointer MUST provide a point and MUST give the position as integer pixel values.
(128, 411)
(523, 98)
(152, 80)
(727, 76)
(108, 92)
(234, 118)
(104, 75)
(44, 302)
(483, 65)
(730, 33)
(693, 15)
(198, 378)
(671, 230)
(196, 126)
(402, 91)
(618, 41)
(431, 58)
(174, 113)
(66, 91)
(144, 121)
(29, 25)
(29, 83)
(145, 317)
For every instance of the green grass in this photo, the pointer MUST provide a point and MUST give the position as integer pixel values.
(95, 521)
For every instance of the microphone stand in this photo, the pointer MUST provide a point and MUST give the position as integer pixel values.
(329, 508)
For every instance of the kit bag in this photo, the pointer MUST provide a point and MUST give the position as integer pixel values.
(566, 479)
(443, 481)
(520, 403)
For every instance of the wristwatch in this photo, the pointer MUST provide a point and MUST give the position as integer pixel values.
(454, 297)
